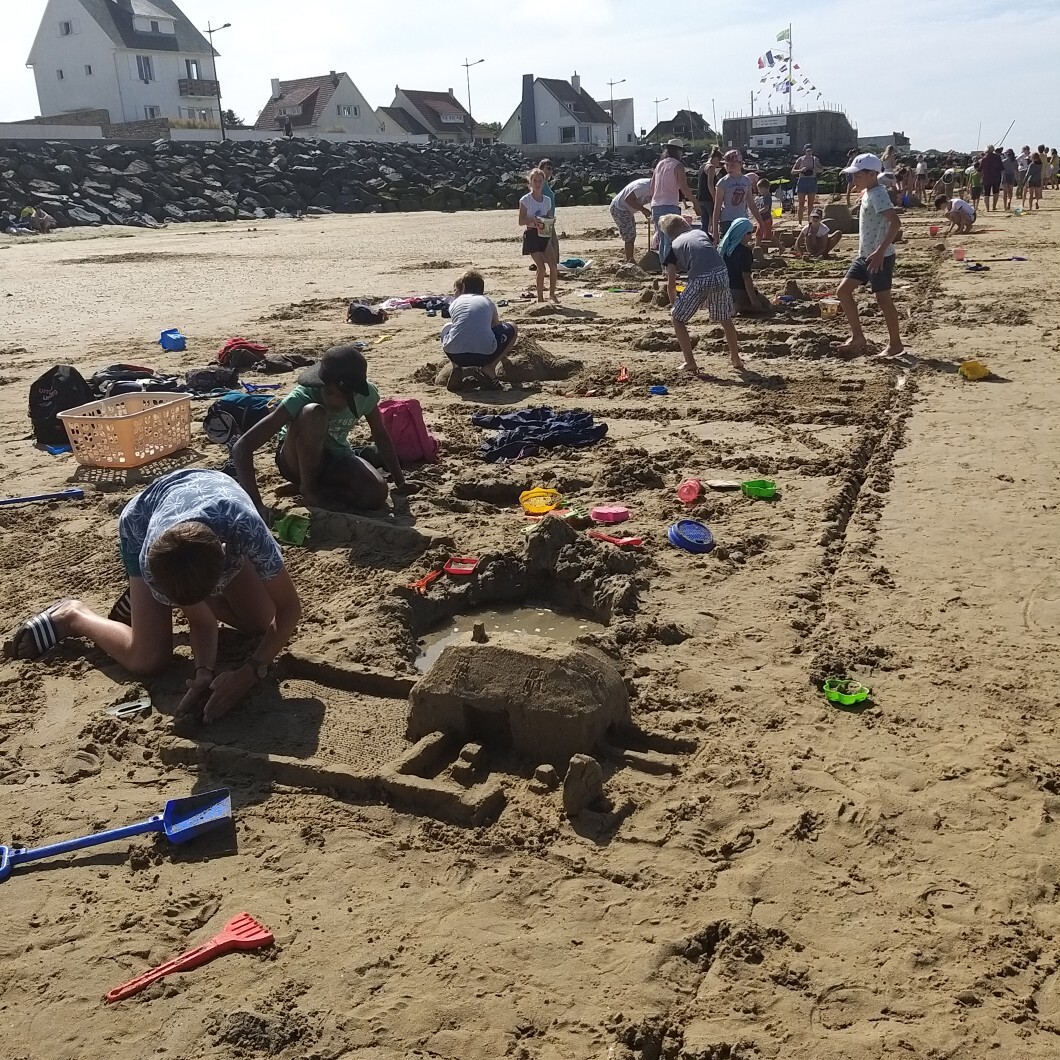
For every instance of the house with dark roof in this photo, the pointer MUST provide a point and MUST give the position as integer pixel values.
(329, 103)
(136, 59)
(557, 112)
(687, 125)
(440, 114)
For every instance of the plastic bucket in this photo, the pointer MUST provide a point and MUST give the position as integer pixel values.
(778, 211)
(958, 253)
(829, 307)
(933, 230)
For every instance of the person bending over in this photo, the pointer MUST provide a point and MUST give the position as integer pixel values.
(815, 239)
(475, 339)
(959, 212)
(625, 206)
(192, 540)
(312, 427)
(693, 252)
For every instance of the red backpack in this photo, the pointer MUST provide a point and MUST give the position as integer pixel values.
(403, 419)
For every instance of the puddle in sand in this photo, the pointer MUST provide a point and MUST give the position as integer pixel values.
(531, 621)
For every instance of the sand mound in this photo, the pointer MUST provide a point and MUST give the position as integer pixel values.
(532, 362)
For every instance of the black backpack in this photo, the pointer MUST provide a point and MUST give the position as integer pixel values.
(234, 414)
(359, 313)
(59, 389)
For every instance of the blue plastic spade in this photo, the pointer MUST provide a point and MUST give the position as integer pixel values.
(181, 820)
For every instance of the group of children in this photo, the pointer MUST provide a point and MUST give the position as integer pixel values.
(716, 256)
(198, 541)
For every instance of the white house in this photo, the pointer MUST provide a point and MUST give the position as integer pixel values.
(440, 115)
(557, 112)
(330, 103)
(622, 116)
(137, 59)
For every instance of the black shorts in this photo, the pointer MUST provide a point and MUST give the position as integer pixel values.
(327, 461)
(977, 194)
(991, 189)
(535, 243)
(503, 333)
(1035, 183)
(877, 281)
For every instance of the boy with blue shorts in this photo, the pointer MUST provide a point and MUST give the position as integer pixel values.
(878, 227)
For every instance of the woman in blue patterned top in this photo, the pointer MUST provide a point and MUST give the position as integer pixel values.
(192, 540)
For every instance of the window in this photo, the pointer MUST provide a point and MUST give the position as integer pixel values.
(145, 68)
(59, 75)
(345, 111)
(452, 119)
(583, 134)
(282, 112)
(65, 29)
(154, 27)
(152, 112)
(629, 138)
(566, 134)
(88, 70)
(194, 69)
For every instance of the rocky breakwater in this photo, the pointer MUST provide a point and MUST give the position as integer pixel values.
(169, 181)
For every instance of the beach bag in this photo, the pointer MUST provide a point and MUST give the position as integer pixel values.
(233, 415)
(359, 313)
(102, 382)
(203, 380)
(403, 420)
(59, 389)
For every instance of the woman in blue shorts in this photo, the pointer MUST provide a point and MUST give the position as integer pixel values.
(806, 171)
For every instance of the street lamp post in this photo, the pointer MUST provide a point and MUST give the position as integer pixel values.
(210, 31)
(611, 85)
(467, 70)
(657, 102)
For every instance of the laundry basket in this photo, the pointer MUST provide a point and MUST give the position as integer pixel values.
(129, 430)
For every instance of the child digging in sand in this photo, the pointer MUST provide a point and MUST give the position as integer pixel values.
(475, 339)
(878, 227)
(313, 424)
(815, 239)
(192, 540)
(736, 252)
(959, 212)
(707, 283)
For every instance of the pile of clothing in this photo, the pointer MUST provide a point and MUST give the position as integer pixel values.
(528, 431)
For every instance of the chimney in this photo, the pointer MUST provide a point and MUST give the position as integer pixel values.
(276, 92)
(528, 111)
(576, 81)
(334, 78)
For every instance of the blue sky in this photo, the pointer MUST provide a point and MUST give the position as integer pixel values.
(934, 70)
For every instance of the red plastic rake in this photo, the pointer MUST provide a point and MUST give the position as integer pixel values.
(242, 932)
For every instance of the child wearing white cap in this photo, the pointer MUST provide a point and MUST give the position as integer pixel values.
(878, 227)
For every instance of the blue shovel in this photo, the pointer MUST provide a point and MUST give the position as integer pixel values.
(181, 820)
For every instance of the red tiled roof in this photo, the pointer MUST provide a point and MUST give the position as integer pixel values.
(307, 96)
(433, 104)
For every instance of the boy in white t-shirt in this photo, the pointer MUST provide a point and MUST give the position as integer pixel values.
(959, 212)
(476, 340)
(878, 227)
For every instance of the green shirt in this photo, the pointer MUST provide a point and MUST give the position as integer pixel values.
(340, 421)
(546, 190)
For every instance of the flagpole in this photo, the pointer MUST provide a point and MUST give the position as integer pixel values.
(791, 73)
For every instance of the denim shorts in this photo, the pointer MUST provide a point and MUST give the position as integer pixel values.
(877, 281)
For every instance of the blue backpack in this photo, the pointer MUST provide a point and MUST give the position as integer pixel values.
(234, 414)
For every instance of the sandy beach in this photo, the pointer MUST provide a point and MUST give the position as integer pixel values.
(789, 881)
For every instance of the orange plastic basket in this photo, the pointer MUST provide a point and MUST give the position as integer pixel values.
(129, 430)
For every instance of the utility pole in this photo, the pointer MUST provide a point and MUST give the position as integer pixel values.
(210, 31)
(467, 70)
(657, 102)
(611, 85)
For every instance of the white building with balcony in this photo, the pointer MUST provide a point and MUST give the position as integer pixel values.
(137, 59)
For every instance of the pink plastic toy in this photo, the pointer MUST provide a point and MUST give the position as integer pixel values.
(609, 513)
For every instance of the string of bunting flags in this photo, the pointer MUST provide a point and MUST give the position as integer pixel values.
(783, 76)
